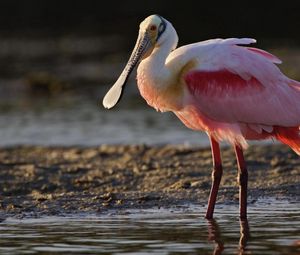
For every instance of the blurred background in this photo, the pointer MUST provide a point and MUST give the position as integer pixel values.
(58, 59)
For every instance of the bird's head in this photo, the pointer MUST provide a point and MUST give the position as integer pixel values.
(152, 33)
(152, 29)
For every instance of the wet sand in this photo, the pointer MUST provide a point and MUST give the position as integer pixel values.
(41, 181)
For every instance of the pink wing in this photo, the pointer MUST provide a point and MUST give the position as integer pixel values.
(237, 84)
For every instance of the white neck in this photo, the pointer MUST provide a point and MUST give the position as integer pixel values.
(154, 66)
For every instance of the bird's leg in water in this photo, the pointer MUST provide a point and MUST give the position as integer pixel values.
(242, 180)
(216, 177)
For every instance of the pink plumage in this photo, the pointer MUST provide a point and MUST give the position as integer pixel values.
(243, 96)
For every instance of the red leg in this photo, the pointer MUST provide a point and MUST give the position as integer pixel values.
(216, 177)
(242, 180)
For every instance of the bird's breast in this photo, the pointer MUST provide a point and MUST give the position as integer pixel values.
(163, 97)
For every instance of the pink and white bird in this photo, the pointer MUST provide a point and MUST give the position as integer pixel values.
(232, 92)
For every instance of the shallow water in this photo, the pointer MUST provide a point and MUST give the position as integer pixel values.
(273, 228)
(82, 120)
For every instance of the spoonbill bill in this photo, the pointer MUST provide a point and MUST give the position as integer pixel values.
(230, 91)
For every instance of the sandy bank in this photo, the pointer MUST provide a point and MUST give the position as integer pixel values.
(38, 181)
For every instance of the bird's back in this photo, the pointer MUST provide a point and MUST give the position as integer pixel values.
(231, 83)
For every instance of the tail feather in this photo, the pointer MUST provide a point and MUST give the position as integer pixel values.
(289, 136)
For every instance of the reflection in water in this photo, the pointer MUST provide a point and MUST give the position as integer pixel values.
(159, 231)
(214, 234)
(245, 234)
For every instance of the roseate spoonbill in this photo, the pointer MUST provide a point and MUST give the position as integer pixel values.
(233, 93)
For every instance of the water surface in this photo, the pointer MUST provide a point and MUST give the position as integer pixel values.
(160, 231)
(82, 120)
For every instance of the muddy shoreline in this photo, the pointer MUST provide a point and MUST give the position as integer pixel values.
(44, 181)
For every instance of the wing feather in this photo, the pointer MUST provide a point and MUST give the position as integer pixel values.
(239, 84)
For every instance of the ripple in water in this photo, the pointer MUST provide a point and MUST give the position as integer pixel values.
(273, 228)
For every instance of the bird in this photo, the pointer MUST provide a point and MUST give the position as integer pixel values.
(223, 87)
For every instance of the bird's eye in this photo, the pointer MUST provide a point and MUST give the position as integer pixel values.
(153, 28)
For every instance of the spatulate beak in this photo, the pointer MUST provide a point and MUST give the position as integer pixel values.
(113, 96)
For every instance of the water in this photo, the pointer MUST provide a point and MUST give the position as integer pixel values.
(160, 231)
(82, 120)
